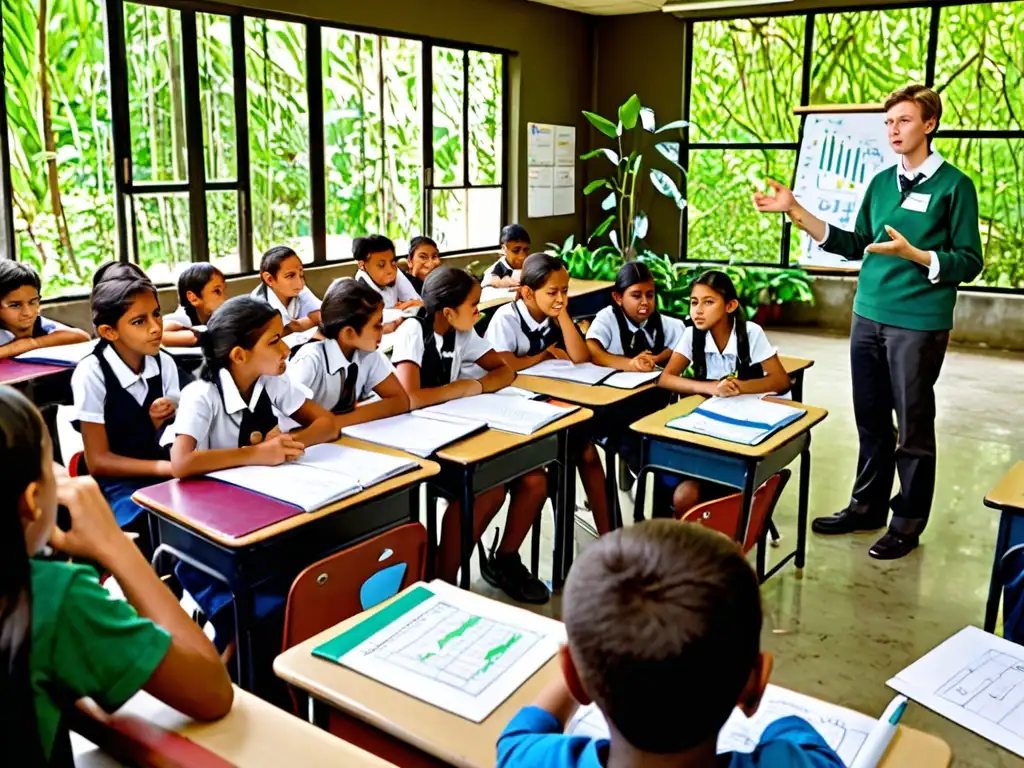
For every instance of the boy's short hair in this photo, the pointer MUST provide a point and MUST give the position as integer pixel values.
(15, 274)
(664, 624)
(928, 100)
(362, 247)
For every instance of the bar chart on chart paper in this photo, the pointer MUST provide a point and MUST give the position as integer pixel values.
(839, 155)
(453, 657)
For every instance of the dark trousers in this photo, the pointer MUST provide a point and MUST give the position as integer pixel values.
(895, 369)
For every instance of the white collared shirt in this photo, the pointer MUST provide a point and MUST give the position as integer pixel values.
(402, 290)
(725, 362)
(469, 348)
(318, 366)
(90, 390)
(179, 316)
(505, 333)
(489, 272)
(49, 326)
(298, 306)
(214, 422)
(605, 330)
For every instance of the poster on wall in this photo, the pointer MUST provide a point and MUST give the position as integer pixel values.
(551, 170)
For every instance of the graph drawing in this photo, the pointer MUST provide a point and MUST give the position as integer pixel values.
(992, 687)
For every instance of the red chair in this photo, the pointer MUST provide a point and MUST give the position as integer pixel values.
(76, 465)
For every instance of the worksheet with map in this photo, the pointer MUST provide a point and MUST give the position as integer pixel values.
(448, 648)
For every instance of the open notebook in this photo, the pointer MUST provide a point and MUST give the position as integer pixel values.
(745, 419)
(324, 475)
(589, 373)
(68, 355)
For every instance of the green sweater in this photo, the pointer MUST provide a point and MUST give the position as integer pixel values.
(895, 291)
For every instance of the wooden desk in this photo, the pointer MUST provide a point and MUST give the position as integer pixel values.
(492, 458)
(1008, 498)
(744, 467)
(460, 742)
(254, 734)
(795, 367)
(279, 551)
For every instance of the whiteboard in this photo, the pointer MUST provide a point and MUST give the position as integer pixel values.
(839, 155)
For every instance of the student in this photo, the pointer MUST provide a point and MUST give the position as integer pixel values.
(431, 355)
(283, 286)
(730, 356)
(201, 289)
(22, 328)
(378, 268)
(631, 335)
(663, 623)
(536, 327)
(515, 247)
(125, 392)
(62, 636)
(424, 258)
(346, 368)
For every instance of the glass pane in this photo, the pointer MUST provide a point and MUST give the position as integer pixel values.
(448, 225)
(402, 208)
(64, 249)
(216, 95)
(466, 218)
(484, 118)
(162, 231)
(860, 57)
(156, 103)
(448, 87)
(222, 230)
(722, 222)
(746, 79)
(275, 54)
(979, 67)
(996, 166)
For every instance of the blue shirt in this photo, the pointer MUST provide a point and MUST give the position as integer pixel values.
(535, 739)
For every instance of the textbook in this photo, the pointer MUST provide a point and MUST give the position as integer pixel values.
(325, 474)
(68, 355)
(413, 433)
(745, 419)
(507, 414)
(631, 379)
(566, 370)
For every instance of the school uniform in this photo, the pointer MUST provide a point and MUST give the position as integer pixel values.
(179, 316)
(513, 329)
(297, 308)
(106, 391)
(84, 643)
(535, 739)
(335, 382)
(720, 364)
(621, 336)
(499, 269)
(42, 327)
(442, 359)
(415, 282)
(402, 290)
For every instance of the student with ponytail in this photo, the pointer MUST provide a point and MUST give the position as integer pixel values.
(201, 289)
(730, 356)
(62, 636)
(434, 355)
(283, 286)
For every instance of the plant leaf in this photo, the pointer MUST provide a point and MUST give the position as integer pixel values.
(603, 227)
(567, 245)
(672, 126)
(613, 158)
(615, 238)
(647, 119)
(664, 184)
(670, 151)
(595, 184)
(629, 112)
(609, 202)
(640, 225)
(605, 126)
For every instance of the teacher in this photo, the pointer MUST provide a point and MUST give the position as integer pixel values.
(917, 232)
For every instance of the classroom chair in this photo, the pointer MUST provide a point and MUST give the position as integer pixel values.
(725, 515)
(1011, 579)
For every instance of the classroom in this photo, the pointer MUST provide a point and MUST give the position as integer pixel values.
(512, 383)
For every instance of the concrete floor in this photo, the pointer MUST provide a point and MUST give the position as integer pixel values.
(849, 623)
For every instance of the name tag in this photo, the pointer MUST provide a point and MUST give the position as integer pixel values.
(917, 202)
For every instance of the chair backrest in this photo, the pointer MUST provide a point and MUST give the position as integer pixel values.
(353, 580)
(76, 465)
(724, 515)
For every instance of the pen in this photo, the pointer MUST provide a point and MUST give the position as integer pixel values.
(878, 740)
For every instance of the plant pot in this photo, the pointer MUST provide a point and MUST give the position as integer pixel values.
(768, 314)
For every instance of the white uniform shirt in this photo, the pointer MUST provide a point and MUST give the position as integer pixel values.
(49, 326)
(179, 316)
(214, 422)
(90, 390)
(505, 333)
(469, 348)
(722, 363)
(320, 373)
(298, 306)
(402, 290)
(489, 272)
(605, 330)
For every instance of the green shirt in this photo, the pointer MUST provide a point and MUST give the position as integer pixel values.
(895, 291)
(85, 643)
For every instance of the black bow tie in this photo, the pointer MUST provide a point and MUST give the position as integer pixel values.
(908, 184)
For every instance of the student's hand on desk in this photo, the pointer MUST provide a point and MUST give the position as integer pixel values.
(94, 533)
(409, 304)
(161, 410)
(644, 363)
(557, 353)
(278, 450)
(392, 326)
(728, 388)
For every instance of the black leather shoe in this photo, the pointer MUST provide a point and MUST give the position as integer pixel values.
(846, 521)
(893, 546)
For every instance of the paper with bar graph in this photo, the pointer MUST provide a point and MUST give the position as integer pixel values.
(839, 155)
(464, 657)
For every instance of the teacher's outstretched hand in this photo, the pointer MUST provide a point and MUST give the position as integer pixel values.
(783, 201)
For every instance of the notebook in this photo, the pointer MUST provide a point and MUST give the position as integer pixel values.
(324, 475)
(391, 314)
(508, 414)
(631, 379)
(745, 419)
(566, 370)
(413, 433)
(68, 355)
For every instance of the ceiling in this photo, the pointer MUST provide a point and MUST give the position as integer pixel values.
(606, 7)
(724, 7)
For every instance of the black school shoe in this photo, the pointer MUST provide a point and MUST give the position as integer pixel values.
(847, 521)
(507, 572)
(893, 546)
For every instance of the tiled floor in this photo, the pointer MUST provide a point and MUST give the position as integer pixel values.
(849, 623)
